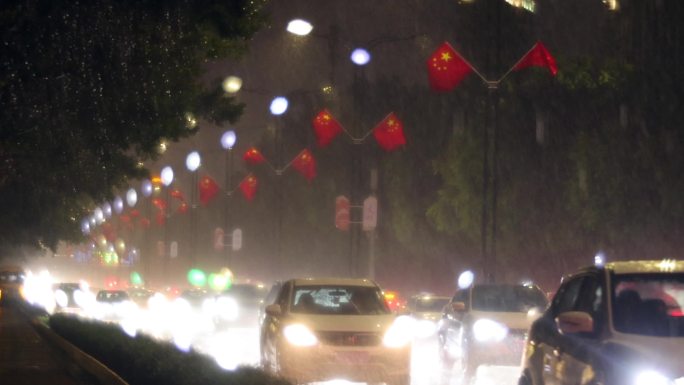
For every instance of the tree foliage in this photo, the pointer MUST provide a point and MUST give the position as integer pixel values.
(89, 89)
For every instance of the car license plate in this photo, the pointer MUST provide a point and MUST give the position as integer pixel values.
(353, 357)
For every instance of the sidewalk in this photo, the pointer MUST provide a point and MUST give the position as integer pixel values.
(26, 358)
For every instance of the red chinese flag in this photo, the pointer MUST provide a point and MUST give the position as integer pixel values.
(159, 203)
(390, 133)
(305, 164)
(135, 213)
(446, 68)
(248, 186)
(176, 193)
(207, 189)
(253, 156)
(326, 128)
(538, 56)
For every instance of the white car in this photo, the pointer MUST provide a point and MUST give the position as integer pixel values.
(335, 328)
(618, 324)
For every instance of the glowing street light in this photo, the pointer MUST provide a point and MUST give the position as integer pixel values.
(167, 176)
(232, 84)
(228, 140)
(360, 57)
(193, 161)
(131, 197)
(146, 187)
(279, 105)
(299, 27)
(118, 205)
(107, 210)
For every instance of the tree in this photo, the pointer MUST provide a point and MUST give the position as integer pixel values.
(89, 90)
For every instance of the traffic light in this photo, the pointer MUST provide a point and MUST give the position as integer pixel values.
(342, 213)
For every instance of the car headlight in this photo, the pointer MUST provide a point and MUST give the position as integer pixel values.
(399, 333)
(486, 330)
(651, 377)
(227, 308)
(61, 298)
(299, 335)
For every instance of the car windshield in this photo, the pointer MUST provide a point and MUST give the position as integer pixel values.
(430, 304)
(649, 304)
(340, 300)
(507, 298)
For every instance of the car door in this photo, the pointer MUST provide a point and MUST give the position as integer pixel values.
(451, 330)
(546, 337)
(579, 355)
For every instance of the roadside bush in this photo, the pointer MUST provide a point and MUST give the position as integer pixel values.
(145, 361)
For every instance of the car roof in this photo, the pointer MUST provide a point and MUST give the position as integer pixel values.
(333, 281)
(646, 266)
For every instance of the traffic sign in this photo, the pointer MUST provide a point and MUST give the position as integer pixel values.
(237, 239)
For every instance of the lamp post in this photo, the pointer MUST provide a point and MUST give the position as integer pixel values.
(278, 107)
(228, 140)
(166, 179)
(192, 162)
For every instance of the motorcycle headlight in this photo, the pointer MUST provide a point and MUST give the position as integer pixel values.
(485, 330)
(299, 335)
(399, 333)
(651, 377)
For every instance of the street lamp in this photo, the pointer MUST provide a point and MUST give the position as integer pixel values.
(131, 197)
(192, 162)
(232, 84)
(360, 56)
(299, 27)
(279, 105)
(228, 140)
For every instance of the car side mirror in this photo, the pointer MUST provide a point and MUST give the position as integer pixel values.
(273, 310)
(575, 322)
(458, 307)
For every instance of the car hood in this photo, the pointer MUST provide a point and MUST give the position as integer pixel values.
(348, 323)
(512, 320)
(661, 353)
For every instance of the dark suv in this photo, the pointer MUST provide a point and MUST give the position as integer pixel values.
(621, 324)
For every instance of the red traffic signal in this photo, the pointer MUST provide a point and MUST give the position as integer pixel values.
(342, 213)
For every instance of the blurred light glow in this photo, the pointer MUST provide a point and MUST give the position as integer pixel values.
(360, 56)
(85, 226)
(466, 279)
(190, 120)
(98, 215)
(299, 335)
(232, 84)
(146, 187)
(118, 205)
(218, 282)
(228, 139)
(107, 210)
(279, 105)
(193, 161)
(131, 197)
(599, 259)
(299, 27)
(486, 330)
(197, 277)
(651, 377)
(167, 176)
(399, 333)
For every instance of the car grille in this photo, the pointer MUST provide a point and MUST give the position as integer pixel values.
(349, 338)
